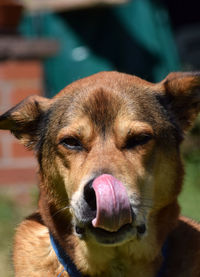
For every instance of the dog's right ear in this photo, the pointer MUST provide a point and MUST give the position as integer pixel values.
(182, 92)
(24, 119)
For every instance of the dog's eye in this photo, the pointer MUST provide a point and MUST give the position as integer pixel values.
(71, 143)
(134, 141)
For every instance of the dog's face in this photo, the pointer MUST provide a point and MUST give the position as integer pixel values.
(108, 148)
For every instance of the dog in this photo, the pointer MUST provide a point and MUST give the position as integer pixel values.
(108, 148)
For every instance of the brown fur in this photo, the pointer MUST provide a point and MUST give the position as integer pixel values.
(108, 114)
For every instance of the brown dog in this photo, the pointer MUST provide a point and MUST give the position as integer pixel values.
(110, 168)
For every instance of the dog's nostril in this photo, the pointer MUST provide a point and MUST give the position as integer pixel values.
(141, 229)
(89, 196)
(79, 230)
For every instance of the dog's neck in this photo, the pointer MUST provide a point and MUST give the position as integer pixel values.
(117, 261)
(139, 257)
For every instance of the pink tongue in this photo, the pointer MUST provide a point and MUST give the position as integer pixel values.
(113, 206)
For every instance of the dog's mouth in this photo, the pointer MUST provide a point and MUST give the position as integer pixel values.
(106, 237)
(124, 234)
(109, 217)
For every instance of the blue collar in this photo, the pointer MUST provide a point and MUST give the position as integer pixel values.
(164, 264)
(71, 269)
(64, 259)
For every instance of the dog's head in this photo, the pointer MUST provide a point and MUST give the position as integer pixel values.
(108, 149)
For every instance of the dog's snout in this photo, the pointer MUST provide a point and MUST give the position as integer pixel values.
(89, 195)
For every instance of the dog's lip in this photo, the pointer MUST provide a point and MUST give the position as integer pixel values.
(126, 233)
(101, 231)
(107, 237)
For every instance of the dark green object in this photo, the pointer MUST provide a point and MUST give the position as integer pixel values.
(134, 38)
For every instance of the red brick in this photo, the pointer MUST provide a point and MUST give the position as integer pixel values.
(5, 141)
(20, 151)
(4, 99)
(1, 95)
(21, 94)
(20, 69)
(5, 133)
(14, 176)
(1, 152)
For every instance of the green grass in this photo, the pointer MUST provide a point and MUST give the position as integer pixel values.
(6, 233)
(11, 213)
(190, 196)
(8, 220)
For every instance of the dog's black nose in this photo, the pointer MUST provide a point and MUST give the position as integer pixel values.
(89, 196)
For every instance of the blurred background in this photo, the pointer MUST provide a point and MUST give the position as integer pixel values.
(45, 45)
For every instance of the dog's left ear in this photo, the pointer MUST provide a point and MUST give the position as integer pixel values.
(24, 120)
(183, 94)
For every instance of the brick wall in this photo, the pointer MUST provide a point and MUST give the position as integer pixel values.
(18, 79)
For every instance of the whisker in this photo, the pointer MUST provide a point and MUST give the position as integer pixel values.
(59, 211)
(140, 206)
(146, 206)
